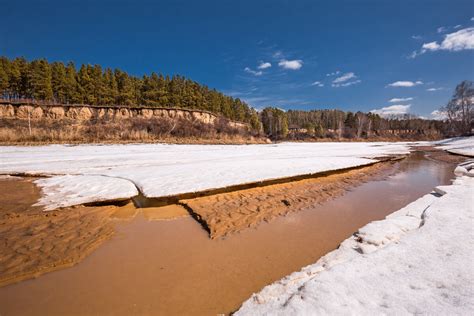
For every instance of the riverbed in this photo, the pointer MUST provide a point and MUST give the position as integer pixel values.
(173, 267)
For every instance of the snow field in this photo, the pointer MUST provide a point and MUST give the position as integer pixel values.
(90, 173)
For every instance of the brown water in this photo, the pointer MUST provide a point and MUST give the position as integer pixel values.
(173, 268)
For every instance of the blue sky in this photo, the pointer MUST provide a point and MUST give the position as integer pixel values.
(312, 54)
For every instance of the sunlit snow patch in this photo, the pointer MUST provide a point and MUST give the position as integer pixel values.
(68, 190)
(460, 145)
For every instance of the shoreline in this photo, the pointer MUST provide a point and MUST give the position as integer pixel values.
(203, 209)
(180, 270)
(15, 226)
(313, 289)
(233, 211)
(171, 141)
(226, 140)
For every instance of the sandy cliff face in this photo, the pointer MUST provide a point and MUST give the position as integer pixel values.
(7, 111)
(84, 113)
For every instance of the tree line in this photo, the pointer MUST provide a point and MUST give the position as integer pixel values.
(291, 124)
(90, 84)
(459, 120)
(65, 84)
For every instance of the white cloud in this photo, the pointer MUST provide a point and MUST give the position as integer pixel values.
(441, 29)
(439, 115)
(344, 80)
(404, 83)
(264, 65)
(318, 84)
(416, 37)
(394, 100)
(453, 42)
(333, 73)
(257, 102)
(277, 54)
(345, 77)
(457, 26)
(392, 110)
(460, 40)
(472, 19)
(345, 84)
(291, 64)
(430, 46)
(413, 54)
(253, 72)
(434, 89)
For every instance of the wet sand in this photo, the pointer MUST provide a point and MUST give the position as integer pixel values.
(35, 242)
(18, 196)
(173, 267)
(227, 213)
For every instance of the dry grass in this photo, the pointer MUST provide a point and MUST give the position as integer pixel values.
(126, 130)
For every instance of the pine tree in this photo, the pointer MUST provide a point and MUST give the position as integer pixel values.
(4, 82)
(17, 78)
(71, 85)
(39, 78)
(98, 84)
(125, 88)
(111, 90)
(86, 85)
(58, 81)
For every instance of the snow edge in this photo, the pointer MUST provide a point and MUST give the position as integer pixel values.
(368, 239)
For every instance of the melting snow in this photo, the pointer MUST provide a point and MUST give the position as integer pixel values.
(101, 172)
(68, 190)
(460, 145)
(416, 261)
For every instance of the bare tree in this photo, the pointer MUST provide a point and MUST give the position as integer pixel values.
(460, 108)
(369, 127)
(361, 119)
(340, 128)
(29, 120)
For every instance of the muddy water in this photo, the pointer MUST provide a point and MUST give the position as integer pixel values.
(173, 268)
